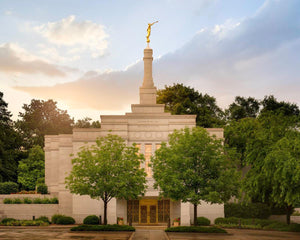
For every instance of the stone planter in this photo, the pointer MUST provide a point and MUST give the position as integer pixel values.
(120, 222)
(176, 224)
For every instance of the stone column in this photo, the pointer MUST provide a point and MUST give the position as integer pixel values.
(112, 211)
(148, 90)
(185, 216)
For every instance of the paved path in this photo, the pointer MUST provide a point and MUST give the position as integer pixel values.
(237, 234)
(149, 234)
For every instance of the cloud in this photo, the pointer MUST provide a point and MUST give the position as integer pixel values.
(254, 57)
(83, 35)
(14, 59)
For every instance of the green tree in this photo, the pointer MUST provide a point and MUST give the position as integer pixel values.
(10, 144)
(180, 99)
(193, 167)
(108, 170)
(41, 118)
(276, 179)
(86, 123)
(32, 168)
(243, 108)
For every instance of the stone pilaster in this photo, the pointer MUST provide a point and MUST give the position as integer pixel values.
(185, 216)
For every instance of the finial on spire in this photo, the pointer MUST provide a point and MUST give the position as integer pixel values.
(149, 31)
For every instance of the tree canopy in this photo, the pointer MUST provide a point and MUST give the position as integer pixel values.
(193, 168)
(180, 99)
(10, 145)
(41, 118)
(86, 123)
(107, 170)
(32, 168)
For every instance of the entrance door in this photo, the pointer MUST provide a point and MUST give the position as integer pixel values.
(148, 211)
(152, 214)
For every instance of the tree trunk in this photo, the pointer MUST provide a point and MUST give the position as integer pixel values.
(288, 214)
(195, 214)
(105, 212)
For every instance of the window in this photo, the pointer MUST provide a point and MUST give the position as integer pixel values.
(148, 153)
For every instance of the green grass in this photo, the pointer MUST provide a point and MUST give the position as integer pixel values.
(97, 228)
(199, 229)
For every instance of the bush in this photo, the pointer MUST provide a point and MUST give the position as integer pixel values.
(43, 219)
(46, 201)
(231, 220)
(55, 217)
(65, 220)
(203, 221)
(25, 223)
(54, 200)
(40, 181)
(16, 201)
(91, 220)
(8, 187)
(27, 201)
(251, 210)
(7, 201)
(196, 229)
(42, 188)
(37, 201)
(108, 227)
(6, 220)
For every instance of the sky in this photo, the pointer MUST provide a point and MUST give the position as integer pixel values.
(87, 55)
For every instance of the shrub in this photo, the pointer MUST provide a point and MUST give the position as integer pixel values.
(91, 220)
(27, 200)
(203, 221)
(251, 210)
(196, 229)
(6, 220)
(54, 200)
(37, 201)
(43, 219)
(231, 220)
(42, 188)
(65, 220)
(55, 217)
(16, 201)
(108, 227)
(7, 201)
(46, 201)
(8, 187)
(40, 181)
(26, 223)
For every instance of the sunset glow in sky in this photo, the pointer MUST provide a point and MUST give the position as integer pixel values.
(87, 55)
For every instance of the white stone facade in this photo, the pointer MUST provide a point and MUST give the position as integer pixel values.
(147, 125)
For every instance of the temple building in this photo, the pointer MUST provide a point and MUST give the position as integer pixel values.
(147, 125)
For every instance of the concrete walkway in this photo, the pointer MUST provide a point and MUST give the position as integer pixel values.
(149, 234)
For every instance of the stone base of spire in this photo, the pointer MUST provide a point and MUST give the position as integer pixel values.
(147, 95)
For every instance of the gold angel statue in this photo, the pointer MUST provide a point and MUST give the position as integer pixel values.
(149, 31)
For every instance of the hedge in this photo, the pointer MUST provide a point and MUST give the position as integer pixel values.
(91, 220)
(8, 187)
(65, 220)
(25, 223)
(251, 210)
(30, 201)
(108, 227)
(42, 188)
(199, 229)
(256, 224)
(203, 221)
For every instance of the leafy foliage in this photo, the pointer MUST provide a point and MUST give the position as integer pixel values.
(250, 210)
(41, 118)
(91, 220)
(106, 170)
(194, 167)
(32, 168)
(86, 123)
(42, 188)
(65, 220)
(8, 187)
(203, 221)
(180, 99)
(243, 108)
(10, 145)
(196, 229)
(108, 227)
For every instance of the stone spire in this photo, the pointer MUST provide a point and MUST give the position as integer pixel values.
(148, 90)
